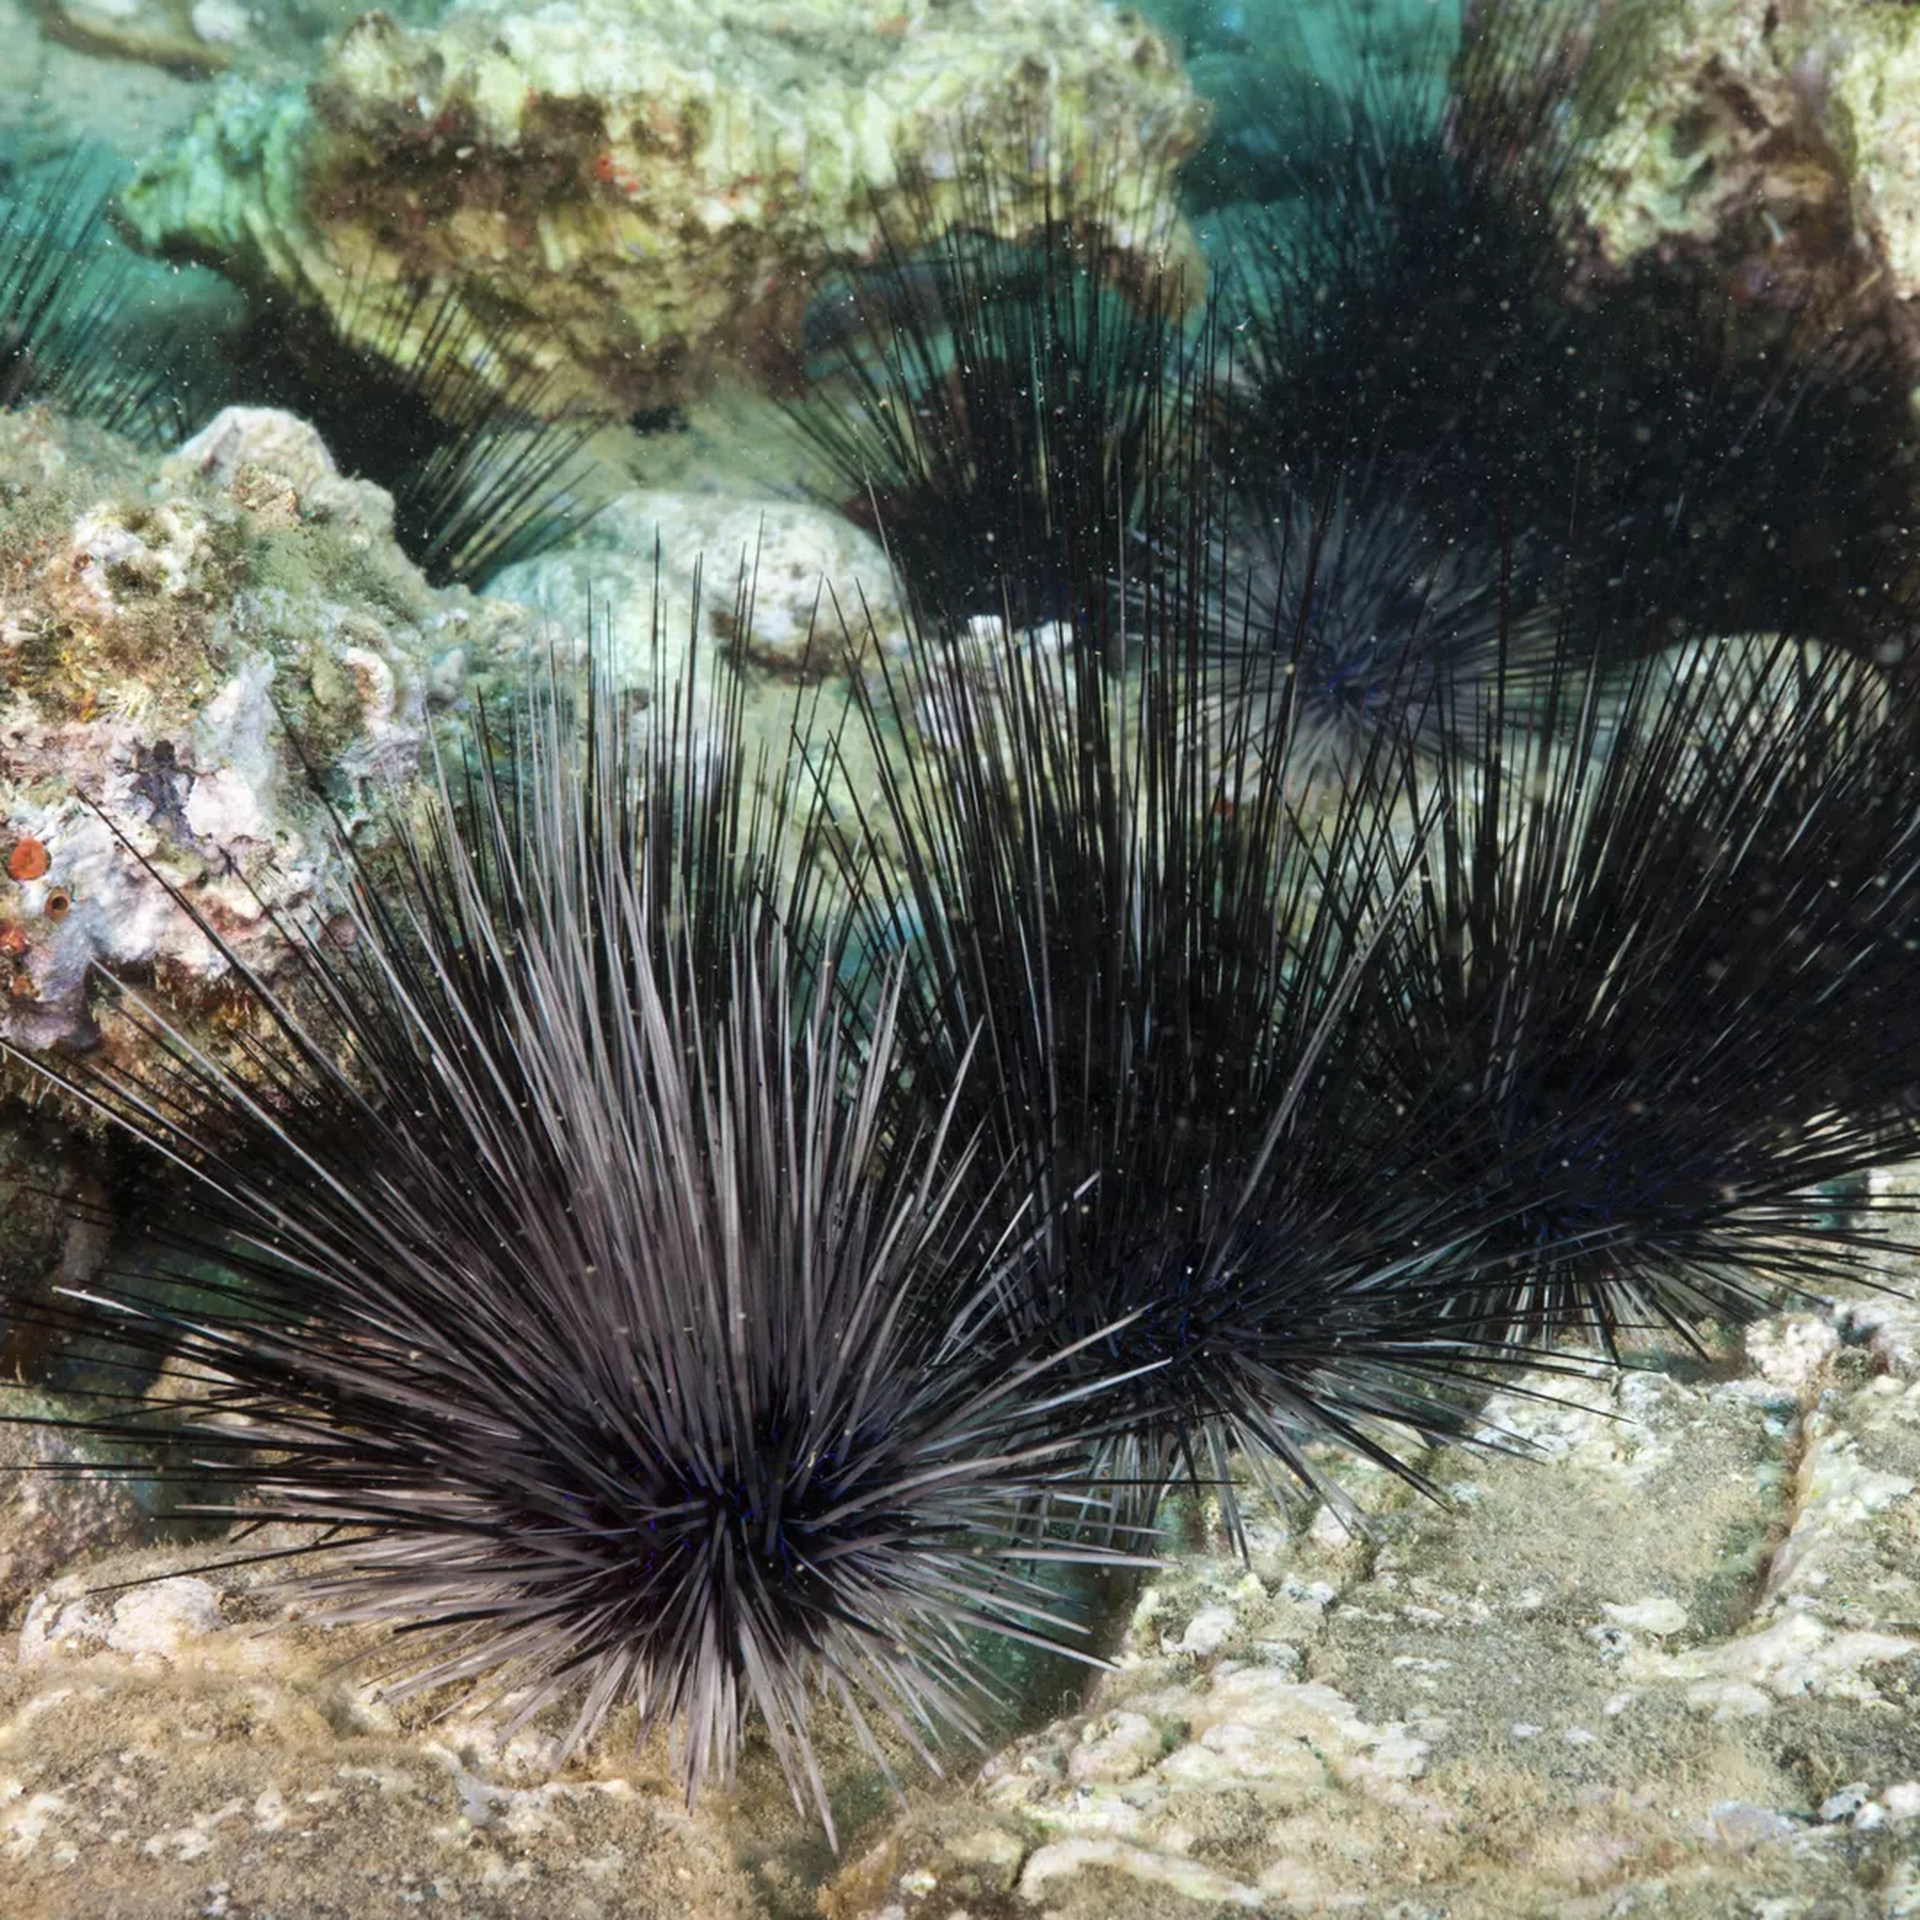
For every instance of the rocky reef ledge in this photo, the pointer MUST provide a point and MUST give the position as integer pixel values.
(629, 198)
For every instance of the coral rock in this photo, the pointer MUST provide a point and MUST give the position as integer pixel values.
(152, 619)
(630, 196)
(188, 36)
(1777, 142)
(53, 1513)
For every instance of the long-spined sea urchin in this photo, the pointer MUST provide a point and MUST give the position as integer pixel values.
(1002, 409)
(413, 392)
(1434, 297)
(67, 292)
(1655, 989)
(1102, 874)
(547, 1247)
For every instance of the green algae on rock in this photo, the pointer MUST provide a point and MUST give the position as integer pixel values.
(645, 194)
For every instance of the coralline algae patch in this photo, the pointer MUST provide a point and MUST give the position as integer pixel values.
(630, 198)
(152, 618)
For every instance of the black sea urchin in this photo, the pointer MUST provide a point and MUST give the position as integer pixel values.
(1001, 410)
(1407, 307)
(1750, 470)
(67, 289)
(1161, 961)
(589, 1303)
(1433, 300)
(1348, 609)
(1656, 988)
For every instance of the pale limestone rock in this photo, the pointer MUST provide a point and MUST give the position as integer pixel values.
(1838, 1492)
(1280, 1766)
(1795, 1654)
(1847, 1802)
(1901, 1900)
(1618, 1428)
(159, 1620)
(1205, 1634)
(242, 447)
(1658, 1615)
(184, 36)
(1356, 1752)
(1094, 1812)
(1740, 1826)
(1891, 1329)
(632, 197)
(1792, 1350)
(1113, 1748)
(1060, 1858)
(1723, 1700)
(992, 1854)
(62, 1627)
(821, 588)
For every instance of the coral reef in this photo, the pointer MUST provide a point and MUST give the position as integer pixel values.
(1776, 140)
(648, 195)
(152, 617)
(1292, 1023)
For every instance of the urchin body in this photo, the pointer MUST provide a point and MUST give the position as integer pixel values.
(633, 1357)
(1656, 989)
(1155, 959)
(1342, 606)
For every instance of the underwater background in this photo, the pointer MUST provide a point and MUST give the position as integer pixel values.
(962, 958)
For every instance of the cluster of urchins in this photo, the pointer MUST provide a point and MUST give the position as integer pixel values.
(1358, 916)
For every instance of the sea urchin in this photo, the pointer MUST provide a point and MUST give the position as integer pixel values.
(586, 1303)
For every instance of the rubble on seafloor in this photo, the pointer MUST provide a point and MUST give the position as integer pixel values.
(1668, 1663)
